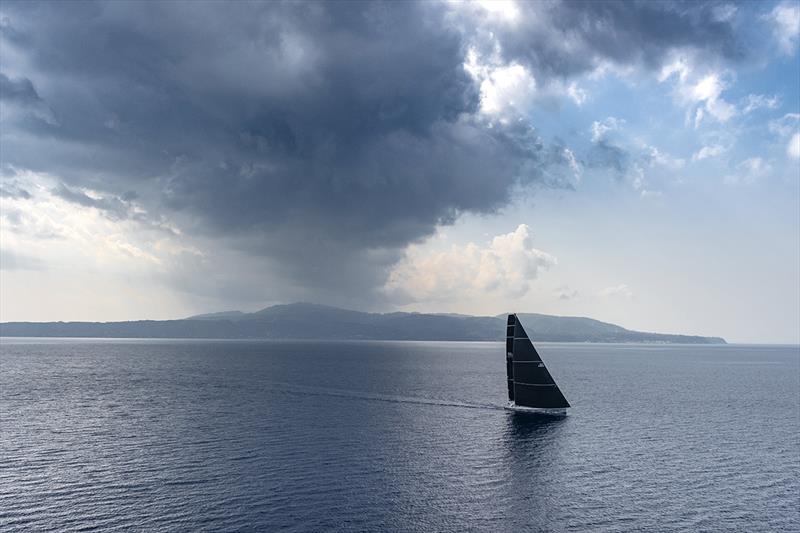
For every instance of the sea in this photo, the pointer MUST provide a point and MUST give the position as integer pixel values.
(186, 435)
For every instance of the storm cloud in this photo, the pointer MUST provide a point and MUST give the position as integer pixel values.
(322, 137)
(563, 39)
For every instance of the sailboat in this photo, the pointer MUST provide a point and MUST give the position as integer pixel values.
(530, 386)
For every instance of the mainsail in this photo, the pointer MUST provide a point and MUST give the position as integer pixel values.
(529, 382)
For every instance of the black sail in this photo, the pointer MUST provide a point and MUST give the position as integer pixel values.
(529, 382)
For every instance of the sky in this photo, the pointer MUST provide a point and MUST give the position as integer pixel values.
(635, 162)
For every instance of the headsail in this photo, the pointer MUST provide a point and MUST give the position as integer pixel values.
(529, 382)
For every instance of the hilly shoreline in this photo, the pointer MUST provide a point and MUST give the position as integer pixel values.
(311, 321)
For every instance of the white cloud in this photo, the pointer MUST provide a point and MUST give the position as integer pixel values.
(565, 292)
(786, 125)
(574, 165)
(504, 10)
(755, 166)
(506, 266)
(601, 129)
(759, 101)
(707, 88)
(660, 158)
(507, 91)
(707, 152)
(616, 291)
(700, 90)
(639, 181)
(707, 91)
(679, 66)
(793, 149)
(749, 171)
(87, 234)
(507, 88)
(637, 177)
(785, 19)
(62, 241)
(577, 94)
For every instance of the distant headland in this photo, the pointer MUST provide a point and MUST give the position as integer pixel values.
(312, 321)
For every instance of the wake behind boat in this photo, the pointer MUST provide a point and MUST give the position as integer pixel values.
(531, 388)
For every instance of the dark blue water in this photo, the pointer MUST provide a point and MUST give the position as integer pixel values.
(395, 436)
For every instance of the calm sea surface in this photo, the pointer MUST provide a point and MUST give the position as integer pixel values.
(394, 436)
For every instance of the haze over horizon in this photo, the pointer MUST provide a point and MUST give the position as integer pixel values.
(637, 163)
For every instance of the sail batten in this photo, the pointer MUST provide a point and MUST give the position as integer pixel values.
(529, 382)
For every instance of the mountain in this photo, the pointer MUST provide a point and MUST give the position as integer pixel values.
(580, 329)
(311, 321)
(215, 316)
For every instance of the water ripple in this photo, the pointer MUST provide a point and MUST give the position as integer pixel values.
(208, 436)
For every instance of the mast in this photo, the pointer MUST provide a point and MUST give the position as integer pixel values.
(512, 319)
(529, 382)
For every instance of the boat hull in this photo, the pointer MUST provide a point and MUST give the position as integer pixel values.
(560, 411)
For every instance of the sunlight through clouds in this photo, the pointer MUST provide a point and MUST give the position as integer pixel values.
(82, 230)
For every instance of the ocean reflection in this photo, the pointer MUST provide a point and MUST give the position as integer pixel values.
(533, 459)
(533, 425)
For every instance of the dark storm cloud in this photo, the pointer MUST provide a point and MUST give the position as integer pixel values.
(562, 39)
(322, 136)
(116, 208)
(19, 90)
(21, 93)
